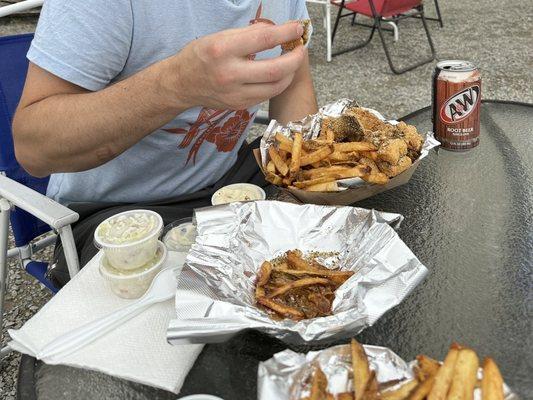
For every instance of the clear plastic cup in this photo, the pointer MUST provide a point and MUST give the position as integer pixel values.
(133, 284)
(139, 244)
(238, 192)
(180, 235)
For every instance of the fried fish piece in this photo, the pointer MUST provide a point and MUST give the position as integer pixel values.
(302, 41)
(394, 170)
(413, 139)
(392, 150)
(366, 119)
(345, 128)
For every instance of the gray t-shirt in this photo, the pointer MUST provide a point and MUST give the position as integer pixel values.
(93, 43)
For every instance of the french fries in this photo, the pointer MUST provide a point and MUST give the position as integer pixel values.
(355, 138)
(296, 153)
(455, 378)
(334, 175)
(401, 393)
(280, 165)
(323, 187)
(284, 142)
(464, 376)
(444, 376)
(316, 156)
(361, 370)
(293, 287)
(319, 386)
(492, 382)
(353, 146)
(426, 367)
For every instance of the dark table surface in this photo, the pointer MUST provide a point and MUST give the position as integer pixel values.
(468, 217)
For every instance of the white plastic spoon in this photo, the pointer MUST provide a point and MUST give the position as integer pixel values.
(163, 288)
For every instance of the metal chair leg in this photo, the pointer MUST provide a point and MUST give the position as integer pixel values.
(336, 25)
(353, 18)
(413, 66)
(329, 39)
(439, 17)
(359, 45)
(395, 29)
(5, 209)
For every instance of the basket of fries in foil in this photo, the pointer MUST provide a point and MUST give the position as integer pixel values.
(302, 273)
(342, 154)
(355, 371)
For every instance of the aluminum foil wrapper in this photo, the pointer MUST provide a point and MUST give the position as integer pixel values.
(286, 376)
(215, 296)
(310, 129)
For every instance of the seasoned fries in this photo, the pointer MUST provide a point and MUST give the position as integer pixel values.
(296, 153)
(296, 288)
(357, 141)
(455, 378)
(280, 165)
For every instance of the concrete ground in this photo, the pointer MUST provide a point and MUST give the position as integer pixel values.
(495, 36)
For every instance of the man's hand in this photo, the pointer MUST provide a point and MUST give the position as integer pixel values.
(216, 72)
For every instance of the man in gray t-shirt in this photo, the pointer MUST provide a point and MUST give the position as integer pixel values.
(135, 101)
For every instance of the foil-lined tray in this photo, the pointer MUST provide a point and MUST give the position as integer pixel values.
(286, 376)
(356, 189)
(215, 296)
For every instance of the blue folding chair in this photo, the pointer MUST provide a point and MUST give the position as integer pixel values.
(22, 197)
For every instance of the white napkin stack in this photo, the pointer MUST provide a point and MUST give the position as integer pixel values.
(137, 351)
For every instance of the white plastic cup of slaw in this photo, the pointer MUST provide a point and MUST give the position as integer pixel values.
(130, 254)
(132, 284)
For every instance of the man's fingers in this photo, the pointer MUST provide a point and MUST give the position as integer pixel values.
(256, 93)
(273, 69)
(265, 37)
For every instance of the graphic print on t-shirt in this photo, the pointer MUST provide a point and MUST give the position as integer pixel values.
(220, 127)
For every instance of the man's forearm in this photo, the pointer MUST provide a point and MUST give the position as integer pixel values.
(79, 131)
(298, 100)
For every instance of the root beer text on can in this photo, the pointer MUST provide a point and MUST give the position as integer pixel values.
(456, 104)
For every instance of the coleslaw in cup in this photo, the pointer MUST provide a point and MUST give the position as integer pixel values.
(129, 239)
(132, 284)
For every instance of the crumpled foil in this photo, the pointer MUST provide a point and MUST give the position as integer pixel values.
(215, 296)
(310, 129)
(286, 376)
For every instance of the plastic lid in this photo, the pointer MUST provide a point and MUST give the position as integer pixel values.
(160, 258)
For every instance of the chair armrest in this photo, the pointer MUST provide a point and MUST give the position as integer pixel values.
(44, 208)
(19, 7)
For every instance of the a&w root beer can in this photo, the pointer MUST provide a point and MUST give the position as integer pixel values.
(456, 104)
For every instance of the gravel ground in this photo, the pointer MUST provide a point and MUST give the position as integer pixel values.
(497, 40)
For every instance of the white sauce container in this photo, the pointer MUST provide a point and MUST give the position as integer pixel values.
(230, 193)
(133, 284)
(134, 254)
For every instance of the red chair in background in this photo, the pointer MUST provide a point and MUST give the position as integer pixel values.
(384, 11)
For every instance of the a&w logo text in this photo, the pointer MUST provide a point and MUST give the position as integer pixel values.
(460, 105)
